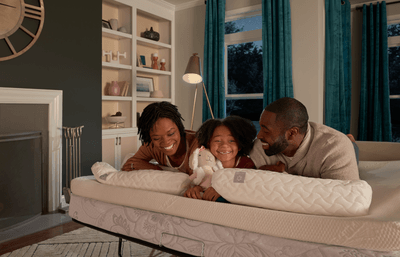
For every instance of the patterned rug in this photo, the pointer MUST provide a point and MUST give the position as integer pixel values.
(85, 242)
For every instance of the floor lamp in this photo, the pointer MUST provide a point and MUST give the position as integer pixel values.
(193, 76)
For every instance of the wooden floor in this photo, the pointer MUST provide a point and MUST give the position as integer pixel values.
(18, 243)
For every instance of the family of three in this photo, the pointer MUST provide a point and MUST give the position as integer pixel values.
(287, 141)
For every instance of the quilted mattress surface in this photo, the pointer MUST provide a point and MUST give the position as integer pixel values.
(287, 192)
(266, 189)
(379, 230)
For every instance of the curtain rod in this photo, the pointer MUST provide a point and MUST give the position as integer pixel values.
(392, 2)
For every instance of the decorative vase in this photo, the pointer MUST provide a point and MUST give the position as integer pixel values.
(151, 34)
(114, 88)
(114, 24)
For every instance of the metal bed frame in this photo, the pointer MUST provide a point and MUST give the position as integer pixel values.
(159, 247)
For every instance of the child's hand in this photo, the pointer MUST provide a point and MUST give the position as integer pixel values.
(210, 194)
(279, 167)
(194, 192)
(350, 136)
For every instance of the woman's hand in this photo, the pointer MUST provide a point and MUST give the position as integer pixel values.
(194, 192)
(210, 194)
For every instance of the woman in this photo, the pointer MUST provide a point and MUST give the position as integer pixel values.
(164, 140)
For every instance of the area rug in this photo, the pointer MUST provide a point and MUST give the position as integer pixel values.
(85, 242)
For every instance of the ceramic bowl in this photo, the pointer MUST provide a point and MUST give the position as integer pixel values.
(115, 119)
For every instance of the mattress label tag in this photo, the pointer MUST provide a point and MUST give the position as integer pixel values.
(239, 177)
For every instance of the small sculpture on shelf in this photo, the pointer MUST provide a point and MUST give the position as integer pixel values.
(154, 59)
(113, 59)
(162, 63)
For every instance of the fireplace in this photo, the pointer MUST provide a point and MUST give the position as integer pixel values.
(52, 99)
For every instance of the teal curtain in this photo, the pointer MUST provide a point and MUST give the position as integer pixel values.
(374, 118)
(277, 50)
(338, 65)
(214, 59)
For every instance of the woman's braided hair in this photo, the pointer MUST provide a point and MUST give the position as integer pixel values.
(152, 113)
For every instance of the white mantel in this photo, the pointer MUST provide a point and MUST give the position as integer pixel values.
(53, 98)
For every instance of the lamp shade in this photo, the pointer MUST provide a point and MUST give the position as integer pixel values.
(192, 73)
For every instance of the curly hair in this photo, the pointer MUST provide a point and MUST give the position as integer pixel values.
(155, 111)
(291, 112)
(243, 130)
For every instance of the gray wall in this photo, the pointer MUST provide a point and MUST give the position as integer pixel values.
(67, 56)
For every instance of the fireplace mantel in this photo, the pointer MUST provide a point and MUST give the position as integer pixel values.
(53, 98)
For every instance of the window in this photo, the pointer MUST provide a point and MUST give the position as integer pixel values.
(243, 64)
(394, 74)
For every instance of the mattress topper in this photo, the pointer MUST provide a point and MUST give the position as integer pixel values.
(379, 230)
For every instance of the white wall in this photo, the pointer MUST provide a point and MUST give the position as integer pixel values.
(308, 45)
(308, 55)
(189, 33)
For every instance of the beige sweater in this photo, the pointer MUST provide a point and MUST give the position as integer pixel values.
(324, 153)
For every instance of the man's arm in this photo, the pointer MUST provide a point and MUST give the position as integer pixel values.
(340, 161)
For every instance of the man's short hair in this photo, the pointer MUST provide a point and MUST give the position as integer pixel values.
(291, 112)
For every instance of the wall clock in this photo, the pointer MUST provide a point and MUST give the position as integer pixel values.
(20, 26)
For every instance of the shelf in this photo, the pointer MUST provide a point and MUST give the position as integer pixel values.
(112, 132)
(117, 66)
(116, 98)
(115, 34)
(136, 17)
(152, 71)
(150, 99)
(151, 43)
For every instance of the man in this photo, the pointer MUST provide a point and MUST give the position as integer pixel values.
(305, 148)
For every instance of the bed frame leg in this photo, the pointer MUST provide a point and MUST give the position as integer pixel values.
(120, 247)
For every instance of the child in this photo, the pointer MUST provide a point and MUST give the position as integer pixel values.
(230, 140)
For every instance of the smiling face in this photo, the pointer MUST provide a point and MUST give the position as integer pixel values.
(224, 147)
(271, 134)
(165, 136)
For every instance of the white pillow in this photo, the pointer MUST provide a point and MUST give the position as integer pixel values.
(273, 190)
(168, 182)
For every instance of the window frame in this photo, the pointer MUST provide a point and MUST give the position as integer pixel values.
(393, 41)
(238, 38)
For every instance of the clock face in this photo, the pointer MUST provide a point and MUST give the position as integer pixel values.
(20, 27)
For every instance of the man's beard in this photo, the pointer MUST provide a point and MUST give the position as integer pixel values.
(278, 146)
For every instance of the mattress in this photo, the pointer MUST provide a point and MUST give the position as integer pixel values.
(377, 231)
(199, 238)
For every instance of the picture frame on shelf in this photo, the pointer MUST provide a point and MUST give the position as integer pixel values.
(144, 86)
(106, 24)
(141, 61)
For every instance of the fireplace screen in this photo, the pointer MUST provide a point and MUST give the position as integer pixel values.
(21, 178)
